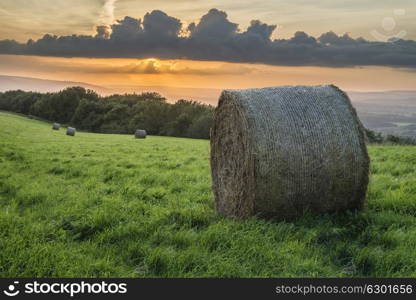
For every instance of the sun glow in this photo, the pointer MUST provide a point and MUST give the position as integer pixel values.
(130, 75)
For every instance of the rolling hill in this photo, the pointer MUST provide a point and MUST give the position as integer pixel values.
(43, 85)
(108, 205)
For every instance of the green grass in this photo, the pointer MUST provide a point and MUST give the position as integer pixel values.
(109, 205)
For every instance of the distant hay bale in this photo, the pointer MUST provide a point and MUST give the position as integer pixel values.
(140, 134)
(277, 152)
(70, 131)
(56, 126)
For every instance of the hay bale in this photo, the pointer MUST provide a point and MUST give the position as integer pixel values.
(70, 131)
(56, 126)
(277, 152)
(140, 134)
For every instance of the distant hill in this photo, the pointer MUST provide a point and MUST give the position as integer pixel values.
(43, 85)
(206, 95)
(389, 112)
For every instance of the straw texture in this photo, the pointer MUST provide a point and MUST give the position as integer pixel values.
(278, 152)
(70, 131)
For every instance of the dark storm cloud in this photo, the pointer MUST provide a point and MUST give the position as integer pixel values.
(214, 37)
(213, 26)
(127, 30)
(260, 29)
(103, 32)
(159, 25)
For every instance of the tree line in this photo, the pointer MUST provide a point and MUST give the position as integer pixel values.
(86, 110)
(377, 138)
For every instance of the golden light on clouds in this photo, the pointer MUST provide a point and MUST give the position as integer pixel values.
(127, 75)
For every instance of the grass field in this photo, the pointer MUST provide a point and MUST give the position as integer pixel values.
(112, 206)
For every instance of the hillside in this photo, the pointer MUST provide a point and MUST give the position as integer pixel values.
(390, 112)
(98, 205)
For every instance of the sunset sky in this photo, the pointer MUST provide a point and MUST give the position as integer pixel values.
(356, 44)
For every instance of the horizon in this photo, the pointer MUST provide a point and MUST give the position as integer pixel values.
(171, 94)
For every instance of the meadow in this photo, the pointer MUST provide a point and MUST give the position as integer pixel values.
(108, 205)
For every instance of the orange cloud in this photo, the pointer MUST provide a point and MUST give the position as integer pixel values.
(130, 74)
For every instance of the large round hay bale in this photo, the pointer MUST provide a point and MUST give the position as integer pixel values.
(281, 151)
(56, 126)
(140, 134)
(70, 131)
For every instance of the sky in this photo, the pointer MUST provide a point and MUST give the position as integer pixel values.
(24, 19)
(355, 44)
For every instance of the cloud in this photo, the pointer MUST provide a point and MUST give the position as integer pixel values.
(213, 26)
(150, 66)
(133, 67)
(126, 30)
(107, 14)
(260, 29)
(103, 32)
(214, 37)
(159, 25)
